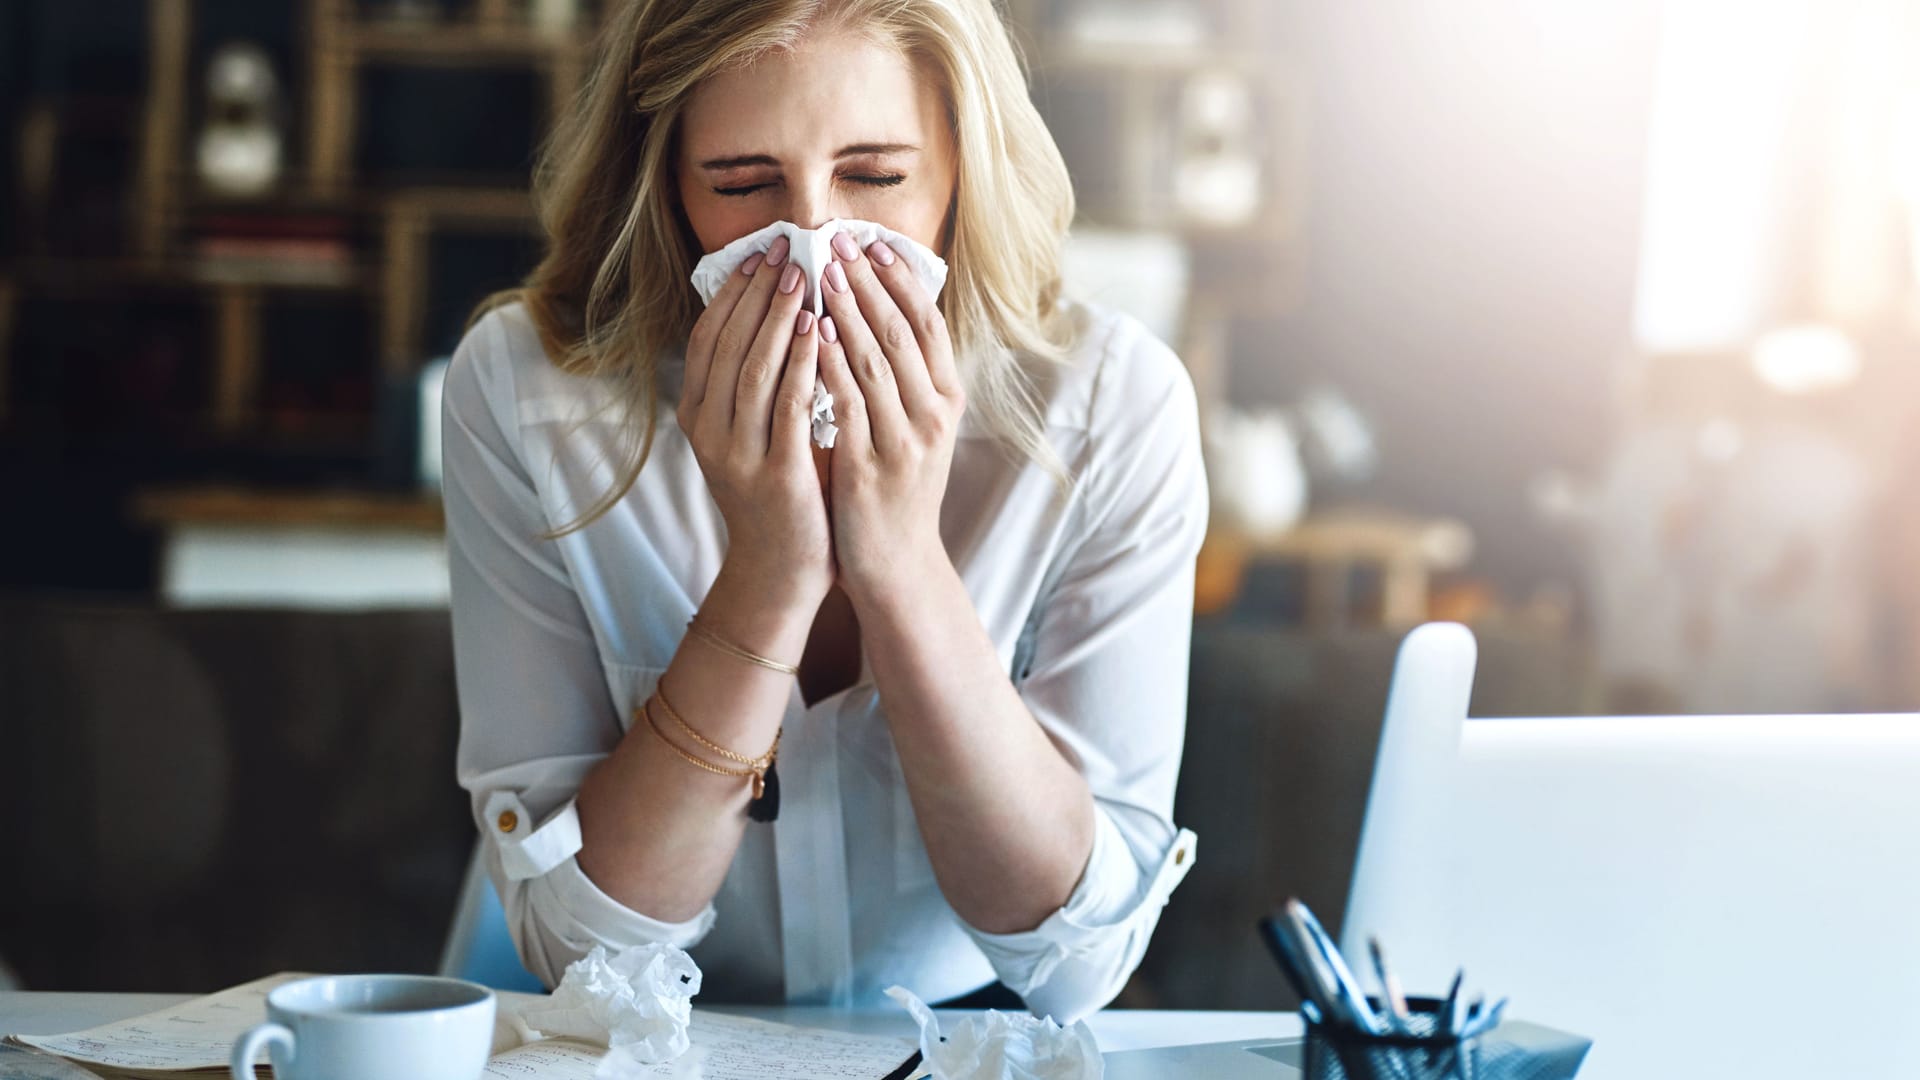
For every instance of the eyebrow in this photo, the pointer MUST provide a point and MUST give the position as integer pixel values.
(855, 150)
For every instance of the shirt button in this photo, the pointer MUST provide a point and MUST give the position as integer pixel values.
(1179, 856)
(509, 821)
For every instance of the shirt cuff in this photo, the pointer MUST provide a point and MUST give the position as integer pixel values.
(526, 851)
(597, 918)
(566, 900)
(1105, 905)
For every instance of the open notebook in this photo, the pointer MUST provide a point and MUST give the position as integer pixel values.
(195, 1038)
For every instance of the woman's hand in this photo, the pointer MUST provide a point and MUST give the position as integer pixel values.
(746, 406)
(886, 357)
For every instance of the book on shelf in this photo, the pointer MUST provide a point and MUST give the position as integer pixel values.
(194, 1039)
(272, 248)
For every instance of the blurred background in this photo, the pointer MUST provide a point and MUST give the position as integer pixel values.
(1596, 327)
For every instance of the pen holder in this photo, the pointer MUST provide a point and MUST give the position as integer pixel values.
(1511, 1050)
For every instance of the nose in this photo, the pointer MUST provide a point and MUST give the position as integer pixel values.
(810, 200)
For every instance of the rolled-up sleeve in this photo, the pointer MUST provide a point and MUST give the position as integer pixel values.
(535, 710)
(1107, 679)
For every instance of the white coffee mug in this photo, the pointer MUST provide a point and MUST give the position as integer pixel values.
(372, 1027)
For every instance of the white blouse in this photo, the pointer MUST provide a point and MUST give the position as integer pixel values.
(1088, 596)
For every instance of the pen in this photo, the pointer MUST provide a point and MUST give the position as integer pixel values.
(1347, 988)
(1293, 967)
(1291, 941)
(1390, 991)
(1449, 1017)
(1487, 1020)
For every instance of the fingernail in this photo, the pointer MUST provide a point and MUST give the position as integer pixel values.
(777, 252)
(881, 253)
(789, 278)
(836, 277)
(844, 244)
(803, 322)
(752, 264)
(827, 331)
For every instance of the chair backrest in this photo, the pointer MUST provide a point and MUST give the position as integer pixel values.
(478, 947)
(1703, 896)
(1426, 704)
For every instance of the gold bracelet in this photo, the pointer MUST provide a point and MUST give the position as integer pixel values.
(695, 630)
(647, 714)
(761, 762)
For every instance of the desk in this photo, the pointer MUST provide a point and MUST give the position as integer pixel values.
(52, 1013)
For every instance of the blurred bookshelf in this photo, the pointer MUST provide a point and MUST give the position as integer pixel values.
(168, 333)
(334, 230)
(159, 331)
(1182, 119)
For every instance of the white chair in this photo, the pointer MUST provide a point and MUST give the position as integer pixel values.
(478, 946)
(1702, 896)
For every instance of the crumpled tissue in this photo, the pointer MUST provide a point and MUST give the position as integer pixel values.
(1003, 1046)
(638, 1002)
(811, 250)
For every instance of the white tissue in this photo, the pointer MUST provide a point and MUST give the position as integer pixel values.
(823, 426)
(1003, 1046)
(637, 1002)
(811, 250)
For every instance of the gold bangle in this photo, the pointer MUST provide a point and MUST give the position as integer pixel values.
(695, 630)
(759, 781)
(761, 762)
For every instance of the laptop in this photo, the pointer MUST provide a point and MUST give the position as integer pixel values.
(1702, 896)
(1432, 678)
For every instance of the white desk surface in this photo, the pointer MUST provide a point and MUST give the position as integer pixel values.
(52, 1013)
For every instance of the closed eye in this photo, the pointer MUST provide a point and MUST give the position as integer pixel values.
(888, 180)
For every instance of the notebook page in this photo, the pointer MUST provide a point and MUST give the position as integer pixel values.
(725, 1047)
(548, 1059)
(196, 1034)
(26, 1063)
(728, 1047)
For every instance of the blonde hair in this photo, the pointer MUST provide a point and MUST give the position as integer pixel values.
(612, 294)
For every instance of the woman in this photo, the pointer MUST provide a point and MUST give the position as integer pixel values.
(985, 586)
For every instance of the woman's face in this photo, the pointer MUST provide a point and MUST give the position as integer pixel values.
(839, 127)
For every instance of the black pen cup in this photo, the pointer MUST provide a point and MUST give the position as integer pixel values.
(1431, 1051)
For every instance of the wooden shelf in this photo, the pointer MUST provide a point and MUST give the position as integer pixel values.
(1357, 535)
(170, 507)
(260, 436)
(411, 217)
(456, 44)
(91, 274)
(343, 43)
(298, 196)
(471, 204)
(295, 196)
(276, 274)
(1406, 551)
